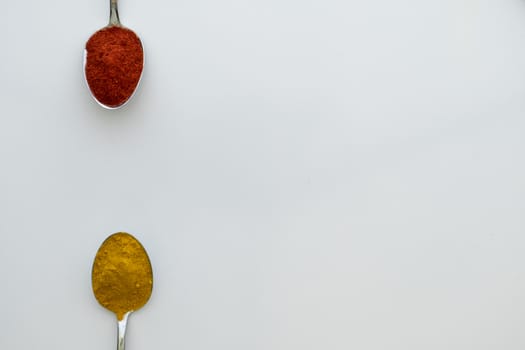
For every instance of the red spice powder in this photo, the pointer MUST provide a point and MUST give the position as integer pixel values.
(114, 62)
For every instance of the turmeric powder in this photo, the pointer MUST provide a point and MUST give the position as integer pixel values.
(122, 278)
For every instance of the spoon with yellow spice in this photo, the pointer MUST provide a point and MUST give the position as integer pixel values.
(122, 278)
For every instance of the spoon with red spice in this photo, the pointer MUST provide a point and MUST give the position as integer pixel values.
(113, 62)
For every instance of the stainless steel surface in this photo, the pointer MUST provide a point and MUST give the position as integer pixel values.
(114, 19)
(121, 331)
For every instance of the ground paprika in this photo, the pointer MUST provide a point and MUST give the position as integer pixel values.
(113, 65)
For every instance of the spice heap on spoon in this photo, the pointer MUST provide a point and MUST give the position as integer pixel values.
(122, 278)
(113, 62)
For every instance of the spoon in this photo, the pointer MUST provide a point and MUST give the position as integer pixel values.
(113, 62)
(122, 278)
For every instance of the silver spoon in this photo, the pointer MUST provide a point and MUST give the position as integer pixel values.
(113, 62)
(122, 278)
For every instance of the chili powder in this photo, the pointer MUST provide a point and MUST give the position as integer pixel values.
(113, 65)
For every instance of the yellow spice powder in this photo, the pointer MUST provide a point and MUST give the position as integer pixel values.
(122, 278)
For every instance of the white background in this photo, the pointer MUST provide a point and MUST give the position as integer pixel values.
(327, 174)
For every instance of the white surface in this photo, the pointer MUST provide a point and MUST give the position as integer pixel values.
(326, 174)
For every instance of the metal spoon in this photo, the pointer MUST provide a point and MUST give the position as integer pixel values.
(122, 278)
(113, 82)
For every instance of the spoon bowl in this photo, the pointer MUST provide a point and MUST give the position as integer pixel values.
(113, 62)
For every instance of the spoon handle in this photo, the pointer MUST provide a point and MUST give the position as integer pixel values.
(114, 20)
(121, 331)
